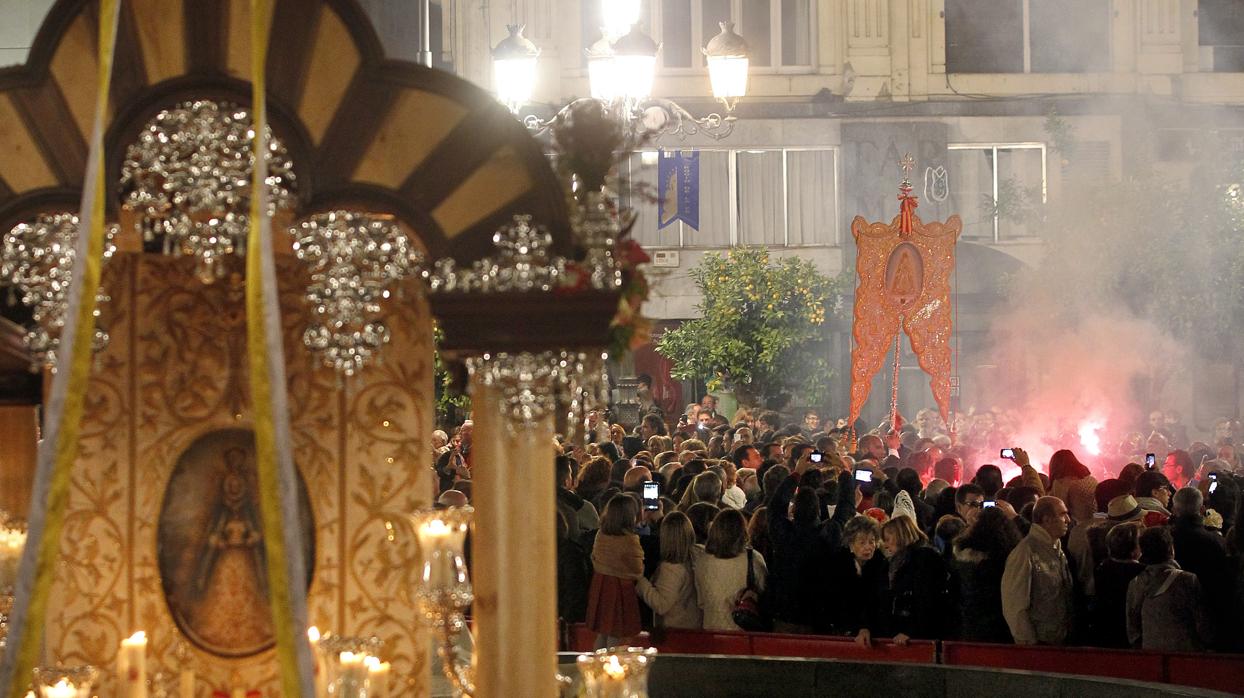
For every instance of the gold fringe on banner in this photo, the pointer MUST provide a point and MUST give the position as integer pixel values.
(63, 414)
(277, 478)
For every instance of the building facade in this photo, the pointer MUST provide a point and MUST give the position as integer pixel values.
(840, 90)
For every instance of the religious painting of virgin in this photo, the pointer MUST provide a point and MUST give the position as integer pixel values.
(211, 546)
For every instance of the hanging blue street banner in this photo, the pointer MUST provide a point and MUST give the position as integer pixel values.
(678, 181)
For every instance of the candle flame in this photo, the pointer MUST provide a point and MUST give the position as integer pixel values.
(436, 527)
(313, 634)
(138, 638)
(614, 668)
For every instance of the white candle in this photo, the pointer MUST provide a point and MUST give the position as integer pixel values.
(62, 689)
(317, 654)
(238, 693)
(132, 666)
(353, 674)
(12, 542)
(377, 678)
(185, 683)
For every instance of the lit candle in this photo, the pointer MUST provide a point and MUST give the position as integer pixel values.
(185, 683)
(61, 689)
(377, 678)
(614, 669)
(441, 541)
(321, 671)
(12, 542)
(132, 666)
(613, 679)
(353, 674)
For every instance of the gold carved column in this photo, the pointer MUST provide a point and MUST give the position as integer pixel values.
(514, 552)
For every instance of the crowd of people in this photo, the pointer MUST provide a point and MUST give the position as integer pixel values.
(759, 524)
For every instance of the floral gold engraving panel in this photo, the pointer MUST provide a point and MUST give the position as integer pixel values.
(174, 371)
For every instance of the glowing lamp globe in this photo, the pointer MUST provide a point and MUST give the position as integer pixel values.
(602, 71)
(618, 16)
(514, 68)
(635, 64)
(728, 61)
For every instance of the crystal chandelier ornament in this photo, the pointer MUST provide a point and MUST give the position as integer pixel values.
(522, 263)
(37, 263)
(356, 261)
(189, 178)
(533, 385)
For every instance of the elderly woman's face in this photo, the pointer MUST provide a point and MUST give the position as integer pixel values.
(863, 547)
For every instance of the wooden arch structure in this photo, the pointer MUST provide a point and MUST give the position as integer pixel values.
(363, 132)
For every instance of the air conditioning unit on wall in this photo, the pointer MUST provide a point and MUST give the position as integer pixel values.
(665, 258)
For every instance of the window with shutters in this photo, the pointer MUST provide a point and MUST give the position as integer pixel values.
(1028, 36)
(1220, 25)
(777, 197)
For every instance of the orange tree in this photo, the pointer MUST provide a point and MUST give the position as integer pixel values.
(762, 330)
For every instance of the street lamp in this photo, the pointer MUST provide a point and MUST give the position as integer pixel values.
(601, 70)
(728, 61)
(634, 66)
(514, 68)
(618, 16)
(621, 69)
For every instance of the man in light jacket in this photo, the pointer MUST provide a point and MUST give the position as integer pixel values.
(1036, 586)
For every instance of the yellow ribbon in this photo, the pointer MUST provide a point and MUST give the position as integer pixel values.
(65, 405)
(277, 488)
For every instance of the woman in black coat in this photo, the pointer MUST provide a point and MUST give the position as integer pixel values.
(979, 560)
(799, 546)
(918, 582)
(857, 581)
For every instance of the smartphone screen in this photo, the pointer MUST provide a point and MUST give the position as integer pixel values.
(864, 475)
(989, 503)
(816, 456)
(1213, 486)
(1151, 460)
(1007, 453)
(652, 495)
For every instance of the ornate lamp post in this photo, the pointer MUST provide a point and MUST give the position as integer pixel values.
(514, 68)
(621, 70)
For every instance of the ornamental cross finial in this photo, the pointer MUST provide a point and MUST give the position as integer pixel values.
(908, 163)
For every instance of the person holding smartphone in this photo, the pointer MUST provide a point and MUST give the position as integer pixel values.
(798, 548)
(618, 561)
(671, 594)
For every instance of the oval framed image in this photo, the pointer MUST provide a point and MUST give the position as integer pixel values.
(210, 546)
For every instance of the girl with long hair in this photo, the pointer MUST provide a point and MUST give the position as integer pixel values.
(618, 560)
